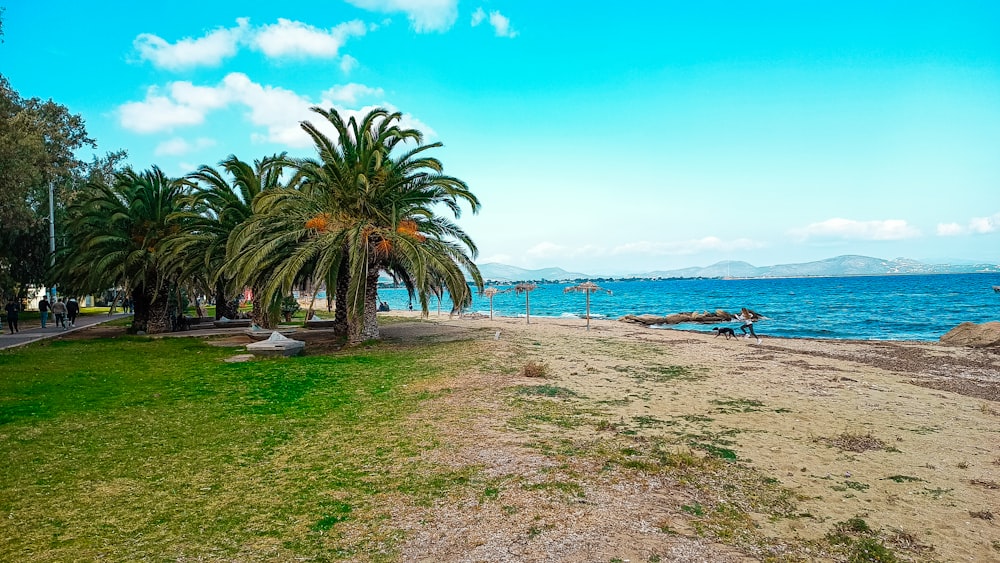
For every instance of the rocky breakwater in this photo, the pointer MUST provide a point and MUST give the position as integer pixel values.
(704, 317)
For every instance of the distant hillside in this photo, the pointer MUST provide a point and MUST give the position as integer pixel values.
(502, 272)
(848, 265)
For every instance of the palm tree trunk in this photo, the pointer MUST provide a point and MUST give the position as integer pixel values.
(261, 313)
(340, 327)
(369, 329)
(312, 302)
(223, 306)
(140, 309)
(160, 311)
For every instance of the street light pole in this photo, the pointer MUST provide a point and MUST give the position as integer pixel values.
(52, 233)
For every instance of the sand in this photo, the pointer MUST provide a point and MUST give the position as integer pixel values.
(904, 436)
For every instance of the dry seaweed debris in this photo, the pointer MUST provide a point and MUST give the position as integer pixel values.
(982, 514)
(849, 442)
(985, 483)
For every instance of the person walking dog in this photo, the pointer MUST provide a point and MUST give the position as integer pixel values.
(747, 317)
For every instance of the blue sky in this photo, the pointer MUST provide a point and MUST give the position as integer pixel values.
(604, 138)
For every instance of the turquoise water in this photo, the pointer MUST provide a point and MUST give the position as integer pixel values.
(855, 308)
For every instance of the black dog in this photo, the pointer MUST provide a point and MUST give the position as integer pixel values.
(724, 330)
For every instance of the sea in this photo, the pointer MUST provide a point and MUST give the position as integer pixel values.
(890, 307)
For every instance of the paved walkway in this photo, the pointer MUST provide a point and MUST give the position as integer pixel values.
(33, 332)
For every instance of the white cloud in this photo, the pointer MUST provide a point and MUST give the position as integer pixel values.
(296, 39)
(178, 146)
(849, 229)
(495, 259)
(286, 38)
(406, 121)
(985, 225)
(174, 147)
(199, 97)
(950, 229)
(478, 16)
(684, 248)
(208, 50)
(546, 250)
(157, 113)
(424, 15)
(348, 63)
(500, 23)
(977, 225)
(552, 250)
(349, 93)
(277, 110)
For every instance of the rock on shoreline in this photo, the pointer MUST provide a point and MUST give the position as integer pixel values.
(974, 335)
(705, 317)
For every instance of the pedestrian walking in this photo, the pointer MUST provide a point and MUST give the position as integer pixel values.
(59, 310)
(72, 310)
(43, 310)
(13, 308)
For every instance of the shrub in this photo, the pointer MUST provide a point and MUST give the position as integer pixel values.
(532, 369)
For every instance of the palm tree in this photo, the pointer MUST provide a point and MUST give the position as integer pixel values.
(359, 210)
(587, 287)
(219, 205)
(118, 232)
(292, 235)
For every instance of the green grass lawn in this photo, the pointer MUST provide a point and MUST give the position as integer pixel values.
(129, 449)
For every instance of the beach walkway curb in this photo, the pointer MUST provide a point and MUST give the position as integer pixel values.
(37, 333)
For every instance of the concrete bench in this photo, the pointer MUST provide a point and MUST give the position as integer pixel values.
(232, 323)
(321, 324)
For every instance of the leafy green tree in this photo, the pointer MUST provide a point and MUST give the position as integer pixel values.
(38, 144)
(117, 236)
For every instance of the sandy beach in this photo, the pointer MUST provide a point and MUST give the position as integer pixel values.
(624, 443)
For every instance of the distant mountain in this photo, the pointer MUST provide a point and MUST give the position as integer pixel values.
(848, 265)
(502, 272)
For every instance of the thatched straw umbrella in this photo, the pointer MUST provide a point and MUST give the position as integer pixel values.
(587, 287)
(526, 289)
(490, 292)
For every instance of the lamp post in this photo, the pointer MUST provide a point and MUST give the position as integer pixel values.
(52, 233)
